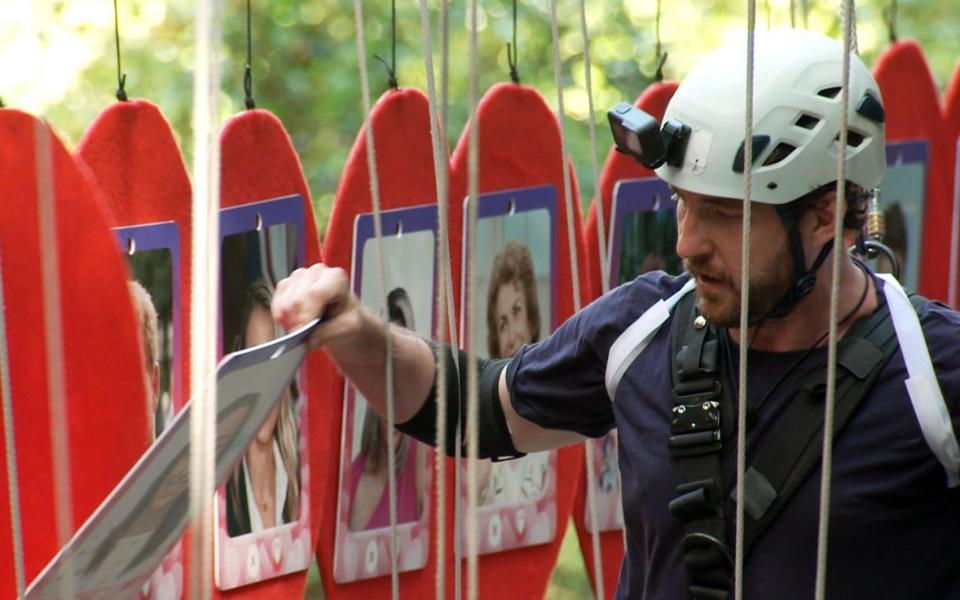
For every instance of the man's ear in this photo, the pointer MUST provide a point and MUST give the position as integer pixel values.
(819, 219)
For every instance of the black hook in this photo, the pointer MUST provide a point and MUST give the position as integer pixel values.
(392, 67)
(248, 68)
(121, 78)
(892, 21)
(512, 49)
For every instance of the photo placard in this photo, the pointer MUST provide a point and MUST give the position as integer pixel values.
(516, 294)
(153, 256)
(262, 512)
(363, 535)
(643, 237)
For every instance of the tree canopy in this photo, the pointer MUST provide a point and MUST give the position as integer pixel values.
(60, 59)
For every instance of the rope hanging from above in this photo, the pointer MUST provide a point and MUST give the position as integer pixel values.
(849, 39)
(588, 445)
(10, 448)
(661, 56)
(444, 292)
(744, 305)
(381, 277)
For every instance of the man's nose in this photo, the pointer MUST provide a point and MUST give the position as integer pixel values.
(691, 238)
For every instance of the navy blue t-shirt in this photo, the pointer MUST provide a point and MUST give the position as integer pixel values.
(894, 524)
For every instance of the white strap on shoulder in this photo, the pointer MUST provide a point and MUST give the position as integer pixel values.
(921, 383)
(635, 338)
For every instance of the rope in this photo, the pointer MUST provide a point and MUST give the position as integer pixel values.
(248, 69)
(793, 14)
(121, 79)
(472, 369)
(53, 341)
(13, 482)
(381, 275)
(605, 283)
(206, 264)
(849, 25)
(744, 304)
(440, 177)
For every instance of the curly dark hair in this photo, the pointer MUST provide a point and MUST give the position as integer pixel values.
(857, 198)
(512, 263)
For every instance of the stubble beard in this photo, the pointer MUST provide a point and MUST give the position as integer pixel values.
(768, 285)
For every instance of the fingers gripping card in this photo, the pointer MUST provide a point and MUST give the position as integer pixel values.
(912, 107)
(614, 198)
(103, 383)
(519, 147)
(265, 534)
(351, 551)
(132, 154)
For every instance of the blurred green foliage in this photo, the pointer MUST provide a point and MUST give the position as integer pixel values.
(305, 63)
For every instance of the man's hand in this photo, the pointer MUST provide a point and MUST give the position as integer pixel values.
(315, 291)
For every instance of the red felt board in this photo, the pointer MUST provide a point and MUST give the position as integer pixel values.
(951, 116)
(131, 152)
(618, 166)
(258, 162)
(405, 174)
(103, 380)
(519, 146)
(912, 105)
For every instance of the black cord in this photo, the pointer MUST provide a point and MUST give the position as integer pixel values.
(661, 57)
(392, 67)
(892, 21)
(512, 50)
(248, 69)
(121, 78)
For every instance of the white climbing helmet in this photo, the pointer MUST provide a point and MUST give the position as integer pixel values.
(797, 77)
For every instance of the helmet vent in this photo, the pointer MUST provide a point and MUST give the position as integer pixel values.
(807, 121)
(854, 138)
(830, 92)
(779, 154)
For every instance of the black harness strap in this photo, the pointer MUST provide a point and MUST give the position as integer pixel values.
(791, 450)
(695, 443)
(703, 409)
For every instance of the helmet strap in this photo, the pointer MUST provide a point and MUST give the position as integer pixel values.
(805, 279)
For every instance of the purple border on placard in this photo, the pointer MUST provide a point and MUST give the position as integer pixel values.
(162, 236)
(405, 220)
(632, 196)
(365, 554)
(505, 202)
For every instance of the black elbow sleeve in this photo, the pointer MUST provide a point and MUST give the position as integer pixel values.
(495, 441)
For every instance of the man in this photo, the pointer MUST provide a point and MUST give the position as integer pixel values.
(895, 505)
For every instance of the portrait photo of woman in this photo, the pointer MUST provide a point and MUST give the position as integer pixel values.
(264, 490)
(369, 470)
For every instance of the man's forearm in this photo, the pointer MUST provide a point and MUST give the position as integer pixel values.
(364, 364)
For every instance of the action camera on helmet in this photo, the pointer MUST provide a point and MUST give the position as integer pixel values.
(638, 134)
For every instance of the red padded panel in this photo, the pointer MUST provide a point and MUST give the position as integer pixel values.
(913, 112)
(258, 162)
(618, 166)
(132, 154)
(951, 115)
(519, 146)
(404, 154)
(104, 386)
